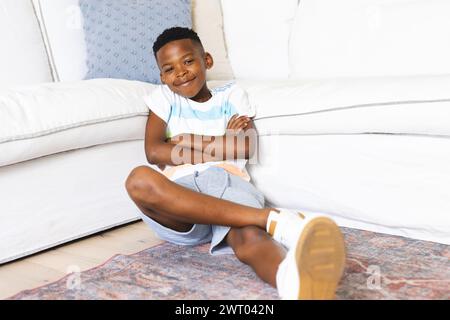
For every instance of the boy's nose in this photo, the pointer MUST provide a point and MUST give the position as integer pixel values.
(181, 72)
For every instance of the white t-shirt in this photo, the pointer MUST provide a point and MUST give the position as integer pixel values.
(209, 118)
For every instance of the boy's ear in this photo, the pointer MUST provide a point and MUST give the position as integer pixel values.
(209, 61)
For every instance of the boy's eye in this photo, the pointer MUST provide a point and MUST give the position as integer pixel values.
(168, 70)
(188, 61)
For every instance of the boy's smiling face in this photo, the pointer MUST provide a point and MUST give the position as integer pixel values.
(183, 65)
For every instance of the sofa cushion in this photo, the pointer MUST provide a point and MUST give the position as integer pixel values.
(402, 105)
(62, 23)
(207, 21)
(120, 35)
(257, 36)
(44, 119)
(354, 38)
(62, 27)
(23, 59)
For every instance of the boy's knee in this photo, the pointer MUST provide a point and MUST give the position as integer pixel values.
(142, 183)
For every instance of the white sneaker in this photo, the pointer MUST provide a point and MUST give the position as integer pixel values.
(315, 261)
(285, 225)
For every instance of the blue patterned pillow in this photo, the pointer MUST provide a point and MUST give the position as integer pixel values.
(120, 34)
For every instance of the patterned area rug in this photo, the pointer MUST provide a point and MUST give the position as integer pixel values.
(378, 267)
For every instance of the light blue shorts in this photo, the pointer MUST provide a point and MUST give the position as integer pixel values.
(218, 183)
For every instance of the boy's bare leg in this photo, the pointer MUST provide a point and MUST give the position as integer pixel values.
(177, 207)
(256, 248)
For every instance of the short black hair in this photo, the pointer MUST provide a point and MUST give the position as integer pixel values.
(175, 33)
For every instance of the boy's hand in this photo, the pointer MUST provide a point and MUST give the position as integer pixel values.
(237, 124)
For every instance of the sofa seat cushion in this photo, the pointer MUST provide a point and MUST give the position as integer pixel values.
(392, 105)
(49, 118)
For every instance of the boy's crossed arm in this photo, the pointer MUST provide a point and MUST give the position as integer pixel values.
(239, 142)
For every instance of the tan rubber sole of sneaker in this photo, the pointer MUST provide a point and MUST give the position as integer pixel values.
(320, 256)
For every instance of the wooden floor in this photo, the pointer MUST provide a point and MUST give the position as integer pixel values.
(83, 254)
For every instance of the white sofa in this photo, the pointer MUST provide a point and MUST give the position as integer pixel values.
(353, 113)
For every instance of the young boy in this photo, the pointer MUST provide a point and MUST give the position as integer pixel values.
(201, 139)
